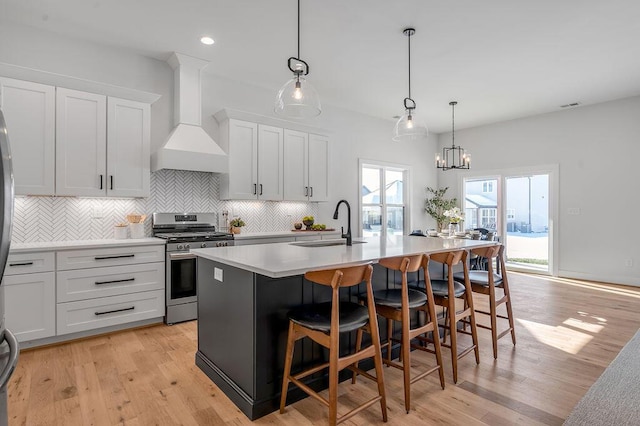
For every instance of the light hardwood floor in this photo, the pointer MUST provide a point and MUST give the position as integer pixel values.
(568, 331)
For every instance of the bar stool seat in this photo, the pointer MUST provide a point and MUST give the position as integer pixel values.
(318, 316)
(441, 287)
(479, 278)
(393, 298)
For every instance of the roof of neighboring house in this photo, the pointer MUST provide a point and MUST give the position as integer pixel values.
(481, 201)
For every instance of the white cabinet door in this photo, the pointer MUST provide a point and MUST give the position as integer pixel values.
(241, 183)
(318, 168)
(296, 187)
(128, 156)
(30, 305)
(80, 143)
(270, 158)
(29, 110)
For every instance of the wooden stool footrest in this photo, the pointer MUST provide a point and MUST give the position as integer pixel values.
(426, 373)
(311, 371)
(356, 410)
(308, 390)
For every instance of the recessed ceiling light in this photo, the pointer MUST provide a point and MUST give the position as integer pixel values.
(207, 40)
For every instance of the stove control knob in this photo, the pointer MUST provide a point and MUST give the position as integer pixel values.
(203, 245)
(226, 244)
(187, 246)
(180, 247)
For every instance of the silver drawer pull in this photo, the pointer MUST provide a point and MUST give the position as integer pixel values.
(114, 257)
(117, 310)
(115, 281)
(21, 264)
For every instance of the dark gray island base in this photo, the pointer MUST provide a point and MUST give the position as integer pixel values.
(242, 333)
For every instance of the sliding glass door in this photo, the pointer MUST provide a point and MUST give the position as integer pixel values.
(520, 207)
(527, 221)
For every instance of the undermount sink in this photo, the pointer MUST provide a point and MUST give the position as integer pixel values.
(324, 243)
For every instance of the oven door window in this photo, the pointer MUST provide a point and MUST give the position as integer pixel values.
(183, 278)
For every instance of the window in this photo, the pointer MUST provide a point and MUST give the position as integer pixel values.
(487, 186)
(383, 199)
(488, 218)
(511, 214)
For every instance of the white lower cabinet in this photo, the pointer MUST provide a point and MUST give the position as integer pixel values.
(83, 284)
(53, 294)
(105, 287)
(101, 312)
(30, 305)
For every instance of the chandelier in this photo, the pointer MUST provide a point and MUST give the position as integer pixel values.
(453, 157)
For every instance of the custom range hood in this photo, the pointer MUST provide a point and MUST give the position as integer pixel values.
(188, 146)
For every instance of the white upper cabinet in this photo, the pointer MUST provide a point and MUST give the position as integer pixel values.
(306, 171)
(318, 168)
(29, 111)
(128, 148)
(296, 169)
(270, 157)
(255, 161)
(95, 160)
(81, 143)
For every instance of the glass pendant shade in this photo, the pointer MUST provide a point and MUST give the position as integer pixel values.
(409, 127)
(298, 99)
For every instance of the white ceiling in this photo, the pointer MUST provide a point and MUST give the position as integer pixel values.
(500, 59)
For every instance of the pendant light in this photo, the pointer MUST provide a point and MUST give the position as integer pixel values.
(454, 157)
(409, 126)
(297, 98)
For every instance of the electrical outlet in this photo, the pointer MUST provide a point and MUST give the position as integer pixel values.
(628, 263)
(573, 211)
(97, 212)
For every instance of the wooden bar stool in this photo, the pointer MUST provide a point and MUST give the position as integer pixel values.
(445, 293)
(486, 282)
(395, 305)
(323, 322)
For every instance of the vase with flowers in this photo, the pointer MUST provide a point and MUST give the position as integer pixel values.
(235, 225)
(455, 216)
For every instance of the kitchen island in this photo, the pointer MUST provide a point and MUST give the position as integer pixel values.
(245, 292)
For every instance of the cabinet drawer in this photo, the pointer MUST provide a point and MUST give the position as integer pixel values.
(96, 258)
(28, 263)
(107, 311)
(30, 307)
(80, 284)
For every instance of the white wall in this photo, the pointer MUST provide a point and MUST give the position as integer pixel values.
(597, 150)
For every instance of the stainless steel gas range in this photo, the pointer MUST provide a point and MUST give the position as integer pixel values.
(184, 231)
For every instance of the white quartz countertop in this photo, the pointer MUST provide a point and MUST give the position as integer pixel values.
(82, 244)
(284, 259)
(276, 234)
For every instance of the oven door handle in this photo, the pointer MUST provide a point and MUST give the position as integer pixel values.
(181, 256)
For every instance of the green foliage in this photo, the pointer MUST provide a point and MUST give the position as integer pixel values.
(436, 205)
(237, 222)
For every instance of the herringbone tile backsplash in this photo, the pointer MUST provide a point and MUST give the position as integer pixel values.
(68, 218)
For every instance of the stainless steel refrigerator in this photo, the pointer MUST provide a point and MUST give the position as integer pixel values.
(8, 343)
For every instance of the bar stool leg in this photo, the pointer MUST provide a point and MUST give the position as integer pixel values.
(377, 361)
(493, 313)
(288, 357)
(333, 384)
(358, 346)
(453, 335)
(389, 335)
